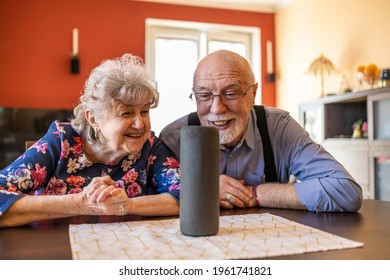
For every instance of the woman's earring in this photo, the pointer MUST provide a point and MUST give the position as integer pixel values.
(97, 130)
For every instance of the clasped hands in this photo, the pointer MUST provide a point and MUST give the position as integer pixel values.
(102, 197)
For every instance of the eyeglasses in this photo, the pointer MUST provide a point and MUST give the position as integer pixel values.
(230, 95)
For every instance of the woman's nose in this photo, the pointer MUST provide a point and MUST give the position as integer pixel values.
(138, 122)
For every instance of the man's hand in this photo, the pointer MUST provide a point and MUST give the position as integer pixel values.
(233, 193)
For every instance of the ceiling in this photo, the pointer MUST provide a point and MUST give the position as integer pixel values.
(267, 6)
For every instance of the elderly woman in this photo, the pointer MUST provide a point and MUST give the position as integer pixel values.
(106, 161)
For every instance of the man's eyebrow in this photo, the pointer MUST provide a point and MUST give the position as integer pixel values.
(230, 86)
(202, 88)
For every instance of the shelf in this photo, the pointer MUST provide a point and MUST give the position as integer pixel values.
(332, 116)
(348, 140)
(340, 117)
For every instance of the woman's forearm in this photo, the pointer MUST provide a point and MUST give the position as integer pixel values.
(30, 209)
(153, 205)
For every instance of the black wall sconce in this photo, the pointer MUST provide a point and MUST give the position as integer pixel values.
(74, 58)
(74, 64)
(271, 77)
(270, 68)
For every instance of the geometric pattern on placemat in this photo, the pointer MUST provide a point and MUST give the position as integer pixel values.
(239, 237)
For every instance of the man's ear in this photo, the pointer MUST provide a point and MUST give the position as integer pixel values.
(255, 90)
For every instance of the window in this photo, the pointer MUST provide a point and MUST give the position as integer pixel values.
(173, 50)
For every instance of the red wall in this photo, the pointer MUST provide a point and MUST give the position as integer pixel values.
(36, 41)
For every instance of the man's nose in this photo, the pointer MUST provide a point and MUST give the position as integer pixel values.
(217, 105)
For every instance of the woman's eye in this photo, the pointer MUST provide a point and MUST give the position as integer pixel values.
(145, 112)
(124, 114)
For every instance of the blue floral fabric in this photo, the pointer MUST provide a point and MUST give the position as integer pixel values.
(56, 165)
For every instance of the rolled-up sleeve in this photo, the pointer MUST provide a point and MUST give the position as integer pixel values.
(330, 194)
(324, 185)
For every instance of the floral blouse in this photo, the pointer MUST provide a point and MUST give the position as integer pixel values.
(56, 165)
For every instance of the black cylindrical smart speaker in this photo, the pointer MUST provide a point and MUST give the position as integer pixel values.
(199, 184)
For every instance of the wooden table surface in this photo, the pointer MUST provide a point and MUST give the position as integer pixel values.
(49, 240)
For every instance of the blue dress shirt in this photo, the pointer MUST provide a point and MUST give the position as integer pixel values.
(323, 183)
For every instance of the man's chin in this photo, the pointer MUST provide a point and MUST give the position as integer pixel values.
(226, 140)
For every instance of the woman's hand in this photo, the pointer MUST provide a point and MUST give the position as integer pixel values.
(233, 192)
(99, 189)
(103, 197)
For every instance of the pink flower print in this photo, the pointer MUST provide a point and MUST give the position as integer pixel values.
(76, 181)
(133, 190)
(172, 162)
(77, 149)
(151, 159)
(130, 176)
(151, 139)
(120, 184)
(174, 187)
(55, 187)
(41, 147)
(38, 175)
(65, 148)
(78, 140)
(75, 190)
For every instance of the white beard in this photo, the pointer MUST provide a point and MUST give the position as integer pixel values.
(227, 136)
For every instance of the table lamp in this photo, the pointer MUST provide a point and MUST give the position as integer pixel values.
(320, 66)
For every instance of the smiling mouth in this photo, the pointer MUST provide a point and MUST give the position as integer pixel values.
(134, 135)
(220, 123)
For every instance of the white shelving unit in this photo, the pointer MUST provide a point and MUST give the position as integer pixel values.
(329, 121)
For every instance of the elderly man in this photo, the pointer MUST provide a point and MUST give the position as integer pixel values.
(261, 147)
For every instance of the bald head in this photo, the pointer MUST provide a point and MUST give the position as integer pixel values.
(224, 63)
(229, 76)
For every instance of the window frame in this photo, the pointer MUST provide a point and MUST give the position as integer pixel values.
(204, 33)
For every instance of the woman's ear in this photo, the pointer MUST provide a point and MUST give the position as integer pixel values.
(90, 118)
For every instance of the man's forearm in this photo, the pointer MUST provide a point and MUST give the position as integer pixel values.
(276, 195)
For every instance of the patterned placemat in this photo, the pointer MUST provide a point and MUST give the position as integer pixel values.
(239, 237)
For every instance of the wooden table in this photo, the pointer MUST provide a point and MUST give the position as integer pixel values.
(49, 240)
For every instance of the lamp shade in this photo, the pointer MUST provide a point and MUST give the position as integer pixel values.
(320, 66)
